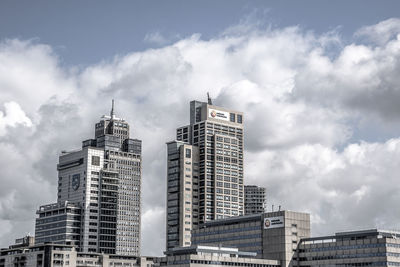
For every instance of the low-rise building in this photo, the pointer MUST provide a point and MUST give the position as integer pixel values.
(40, 255)
(49, 255)
(272, 235)
(211, 256)
(356, 248)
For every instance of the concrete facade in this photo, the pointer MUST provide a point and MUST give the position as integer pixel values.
(49, 255)
(39, 255)
(272, 235)
(182, 196)
(200, 256)
(215, 137)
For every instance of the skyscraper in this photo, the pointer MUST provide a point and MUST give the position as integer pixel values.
(254, 199)
(205, 171)
(99, 188)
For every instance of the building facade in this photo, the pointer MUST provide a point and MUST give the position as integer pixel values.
(200, 256)
(356, 248)
(215, 139)
(272, 235)
(49, 255)
(103, 181)
(254, 199)
(58, 223)
(182, 196)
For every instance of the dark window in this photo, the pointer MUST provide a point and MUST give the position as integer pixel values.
(198, 114)
(232, 117)
(188, 153)
(239, 118)
(96, 160)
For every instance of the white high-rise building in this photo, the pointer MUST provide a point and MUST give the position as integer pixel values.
(99, 187)
(205, 171)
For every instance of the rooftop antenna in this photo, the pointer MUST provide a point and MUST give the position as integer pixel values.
(112, 109)
(209, 99)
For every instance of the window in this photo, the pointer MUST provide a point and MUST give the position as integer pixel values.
(95, 160)
(239, 118)
(232, 117)
(188, 153)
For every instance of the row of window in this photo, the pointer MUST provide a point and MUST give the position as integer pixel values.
(225, 231)
(226, 263)
(343, 256)
(376, 245)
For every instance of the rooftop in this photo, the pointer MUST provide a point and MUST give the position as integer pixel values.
(209, 249)
(357, 234)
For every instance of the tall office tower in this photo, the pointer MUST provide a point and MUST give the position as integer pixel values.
(211, 185)
(182, 196)
(254, 199)
(103, 181)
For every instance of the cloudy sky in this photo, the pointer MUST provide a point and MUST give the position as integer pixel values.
(318, 82)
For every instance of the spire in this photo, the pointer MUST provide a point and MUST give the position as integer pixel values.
(112, 115)
(209, 99)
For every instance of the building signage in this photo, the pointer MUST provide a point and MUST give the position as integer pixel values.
(218, 114)
(274, 222)
(76, 180)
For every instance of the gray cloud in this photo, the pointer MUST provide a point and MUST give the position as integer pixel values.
(301, 108)
(362, 79)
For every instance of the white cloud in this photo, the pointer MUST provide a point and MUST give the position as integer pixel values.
(13, 116)
(301, 108)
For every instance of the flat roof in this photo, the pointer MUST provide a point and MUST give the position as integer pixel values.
(207, 249)
(355, 234)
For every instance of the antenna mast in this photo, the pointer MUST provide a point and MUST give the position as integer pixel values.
(209, 99)
(112, 109)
